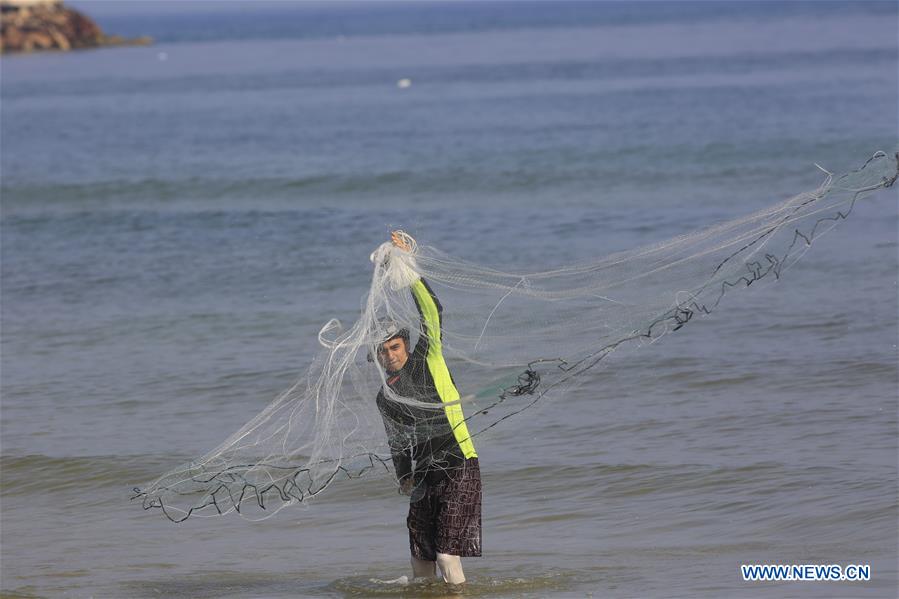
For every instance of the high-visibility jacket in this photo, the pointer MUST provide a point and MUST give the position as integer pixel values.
(435, 439)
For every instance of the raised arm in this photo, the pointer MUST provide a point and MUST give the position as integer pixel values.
(429, 308)
(430, 344)
(430, 312)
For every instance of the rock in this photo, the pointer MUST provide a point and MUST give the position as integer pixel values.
(28, 25)
(60, 40)
(37, 40)
(12, 37)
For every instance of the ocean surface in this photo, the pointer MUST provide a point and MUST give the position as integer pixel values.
(178, 221)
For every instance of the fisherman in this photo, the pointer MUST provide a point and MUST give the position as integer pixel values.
(445, 482)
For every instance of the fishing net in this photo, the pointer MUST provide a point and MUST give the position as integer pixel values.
(467, 334)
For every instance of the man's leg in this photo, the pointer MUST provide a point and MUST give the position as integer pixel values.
(421, 537)
(451, 568)
(423, 569)
(459, 521)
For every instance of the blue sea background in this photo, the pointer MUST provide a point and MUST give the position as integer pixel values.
(179, 220)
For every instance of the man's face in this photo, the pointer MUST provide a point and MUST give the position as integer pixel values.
(392, 354)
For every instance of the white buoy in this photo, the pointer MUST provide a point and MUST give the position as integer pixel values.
(162, 56)
(404, 83)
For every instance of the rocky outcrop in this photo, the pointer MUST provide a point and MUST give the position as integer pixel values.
(30, 25)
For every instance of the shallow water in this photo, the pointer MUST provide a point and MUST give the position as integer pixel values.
(174, 233)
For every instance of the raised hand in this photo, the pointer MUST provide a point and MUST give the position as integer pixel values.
(403, 240)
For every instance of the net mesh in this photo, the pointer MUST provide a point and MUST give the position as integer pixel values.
(410, 386)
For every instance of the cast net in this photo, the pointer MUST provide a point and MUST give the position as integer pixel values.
(467, 333)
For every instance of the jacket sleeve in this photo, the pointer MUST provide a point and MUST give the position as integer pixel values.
(400, 452)
(431, 312)
(432, 330)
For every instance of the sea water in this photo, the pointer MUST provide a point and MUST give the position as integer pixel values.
(179, 220)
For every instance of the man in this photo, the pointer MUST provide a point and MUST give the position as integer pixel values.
(445, 483)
